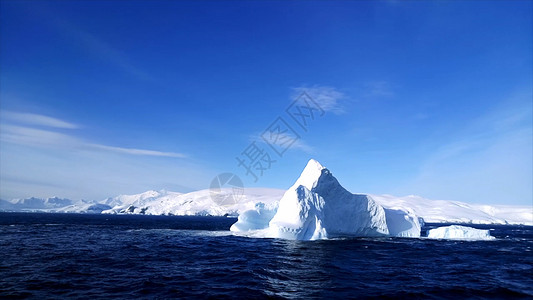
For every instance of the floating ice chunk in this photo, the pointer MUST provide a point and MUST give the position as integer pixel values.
(459, 232)
(254, 219)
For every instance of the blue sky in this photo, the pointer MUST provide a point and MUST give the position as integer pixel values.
(99, 98)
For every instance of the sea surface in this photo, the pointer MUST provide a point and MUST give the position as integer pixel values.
(51, 256)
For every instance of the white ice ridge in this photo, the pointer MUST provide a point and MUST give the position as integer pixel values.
(318, 207)
(457, 232)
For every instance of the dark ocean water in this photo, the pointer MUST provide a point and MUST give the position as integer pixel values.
(103, 256)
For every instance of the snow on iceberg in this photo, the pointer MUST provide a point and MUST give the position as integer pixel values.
(460, 233)
(318, 207)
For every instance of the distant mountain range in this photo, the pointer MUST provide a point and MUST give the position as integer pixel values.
(202, 203)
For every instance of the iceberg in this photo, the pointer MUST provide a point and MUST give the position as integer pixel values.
(402, 223)
(254, 219)
(457, 232)
(318, 207)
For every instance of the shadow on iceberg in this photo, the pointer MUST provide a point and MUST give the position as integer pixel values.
(318, 207)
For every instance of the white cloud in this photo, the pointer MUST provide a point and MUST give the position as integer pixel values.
(35, 137)
(92, 174)
(43, 161)
(133, 151)
(38, 120)
(39, 137)
(328, 98)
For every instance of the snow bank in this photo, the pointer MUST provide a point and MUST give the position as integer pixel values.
(457, 232)
(318, 207)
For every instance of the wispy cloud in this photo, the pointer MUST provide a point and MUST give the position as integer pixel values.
(328, 98)
(32, 165)
(35, 119)
(490, 159)
(94, 44)
(36, 137)
(20, 132)
(105, 51)
(133, 151)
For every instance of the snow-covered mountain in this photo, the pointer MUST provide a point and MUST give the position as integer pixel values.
(260, 203)
(443, 211)
(194, 203)
(155, 203)
(53, 204)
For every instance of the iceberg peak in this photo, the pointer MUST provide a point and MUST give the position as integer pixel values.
(310, 175)
(313, 163)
